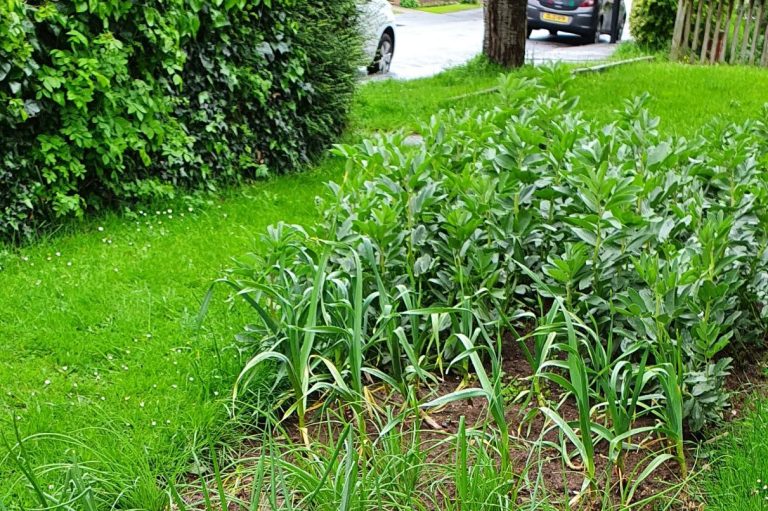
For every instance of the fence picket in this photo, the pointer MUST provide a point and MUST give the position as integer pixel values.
(764, 58)
(687, 27)
(747, 28)
(726, 27)
(677, 34)
(756, 35)
(707, 25)
(695, 45)
(713, 53)
(737, 32)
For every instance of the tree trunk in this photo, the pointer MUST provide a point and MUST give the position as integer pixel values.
(505, 32)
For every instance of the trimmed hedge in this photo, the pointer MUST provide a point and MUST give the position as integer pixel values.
(112, 101)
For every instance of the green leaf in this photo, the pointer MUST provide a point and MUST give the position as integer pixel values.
(459, 395)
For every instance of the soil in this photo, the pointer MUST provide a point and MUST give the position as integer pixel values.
(562, 482)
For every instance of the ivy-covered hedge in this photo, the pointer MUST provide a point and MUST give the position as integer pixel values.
(114, 100)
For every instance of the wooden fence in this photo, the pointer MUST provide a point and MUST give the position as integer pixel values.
(725, 31)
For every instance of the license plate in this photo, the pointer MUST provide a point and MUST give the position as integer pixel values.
(555, 18)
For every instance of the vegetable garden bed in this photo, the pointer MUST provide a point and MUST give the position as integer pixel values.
(622, 265)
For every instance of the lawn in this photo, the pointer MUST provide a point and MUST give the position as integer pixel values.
(448, 8)
(736, 472)
(104, 362)
(683, 97)
(101, 327)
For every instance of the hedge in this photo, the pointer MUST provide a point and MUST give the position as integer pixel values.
(107, 102)
(652, 23)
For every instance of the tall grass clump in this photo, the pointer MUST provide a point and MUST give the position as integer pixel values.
(344, 472)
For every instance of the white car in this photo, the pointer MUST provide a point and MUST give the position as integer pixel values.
(378, 27)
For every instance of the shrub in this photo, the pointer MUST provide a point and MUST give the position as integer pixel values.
(103, 102)
(652, 22)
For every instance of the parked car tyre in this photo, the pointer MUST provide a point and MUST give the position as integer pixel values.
(377, 26)
(384, 54)
(591, 38)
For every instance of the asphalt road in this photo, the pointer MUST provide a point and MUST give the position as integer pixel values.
(428, 43)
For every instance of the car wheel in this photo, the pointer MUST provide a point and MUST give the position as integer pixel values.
(384, 54)
(591, 38)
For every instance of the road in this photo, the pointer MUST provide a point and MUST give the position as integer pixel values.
(428, 43)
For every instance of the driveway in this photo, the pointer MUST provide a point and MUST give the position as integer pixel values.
(428, 43)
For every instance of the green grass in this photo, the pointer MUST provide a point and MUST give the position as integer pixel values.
(685, 97)
(86, 344)
(386, 105)
(102, 336)
(630, 49)
(737, 474)
(448, 8)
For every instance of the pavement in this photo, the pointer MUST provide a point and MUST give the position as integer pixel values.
(427, 43)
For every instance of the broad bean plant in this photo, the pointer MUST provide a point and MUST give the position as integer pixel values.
(633, 254)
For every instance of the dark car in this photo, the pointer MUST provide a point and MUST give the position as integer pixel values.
(587, 18)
